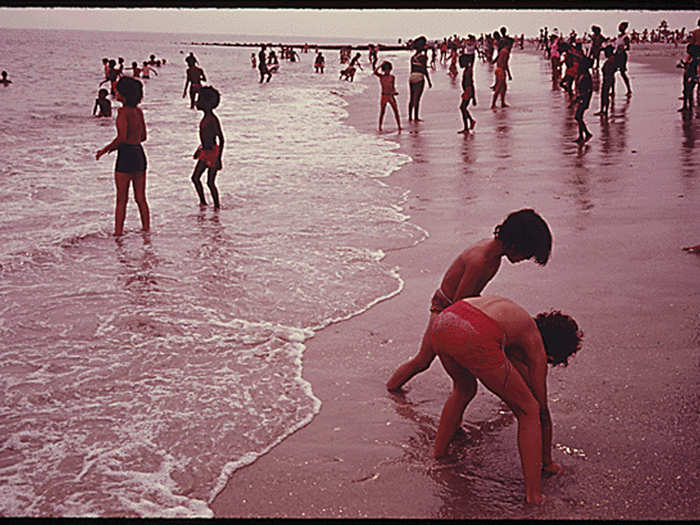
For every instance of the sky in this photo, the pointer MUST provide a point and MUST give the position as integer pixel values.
(381, 25)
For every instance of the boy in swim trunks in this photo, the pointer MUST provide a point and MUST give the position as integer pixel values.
(468, 91)
(209, 153)
(523, 235)
(500, 87)
(584, 91)
(388, 87)
(103, 104)
(608, 69)
(494, 340)
(195, 77)
(131, 160)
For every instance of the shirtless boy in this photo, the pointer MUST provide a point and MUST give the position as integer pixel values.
(195, 77)
(209, 153)
(523, 235)
(496, 341)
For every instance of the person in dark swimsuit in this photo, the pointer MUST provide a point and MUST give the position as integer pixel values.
(416, 81)
(262, 65)
(131, 160)
(195, 77)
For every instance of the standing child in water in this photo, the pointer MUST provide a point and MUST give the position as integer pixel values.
(209, 153)
(584, 91)
(103, 104)
(523, 235)
(468, 91)
(608, 69)
(146, 70)
(194, 78)
(131, 159)
(387, 83)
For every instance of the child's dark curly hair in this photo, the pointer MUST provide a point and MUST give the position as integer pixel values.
(561, 336)
(209, 97)
(131, 89)
(527, 233)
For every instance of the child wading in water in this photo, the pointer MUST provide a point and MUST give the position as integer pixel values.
(103, 104)
(523, 235)
(468, 91)
(387, 82)
(609, 68)
(131, 160)
(584, 89)
(209, 153)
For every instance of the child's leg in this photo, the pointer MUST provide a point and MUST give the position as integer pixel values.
(463, 391)
(196, 175)
(382, 109)
(139, 184)
(416, 364)
(211, 183)
(396, 112)
(465, 114)
(503, 93)
(121, 181)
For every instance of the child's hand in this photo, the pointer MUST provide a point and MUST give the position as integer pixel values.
(196, 153)
(99, 153)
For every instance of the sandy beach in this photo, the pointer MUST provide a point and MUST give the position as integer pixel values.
(624, 410)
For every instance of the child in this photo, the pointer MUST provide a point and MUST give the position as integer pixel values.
(347, 74)
(622, 45)
(209, 153)
(608, 68)
(690, 78)
(387, 83)
(584, 90)
(103, 103)
(501, 86)
(523, 235)
(131, 160)
(5, 81)
(136, 70)
(319, 63)
(194, 78)
(496, 341)
(146, 70)
(571, 63)
(468, 91)
(252, 60)
(113, 75)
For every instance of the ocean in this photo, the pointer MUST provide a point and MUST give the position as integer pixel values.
(138, 374)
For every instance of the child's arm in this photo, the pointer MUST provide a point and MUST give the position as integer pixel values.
(94, 110)
(219, 134)
(427, 76)
(201, 73)
(121, 135)
(187, 83)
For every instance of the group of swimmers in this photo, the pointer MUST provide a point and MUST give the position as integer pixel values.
(131, 163)
(114, 70)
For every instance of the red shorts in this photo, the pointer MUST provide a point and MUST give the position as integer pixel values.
(468, 93)
(386, 99)
(209, 156)
(470, 337)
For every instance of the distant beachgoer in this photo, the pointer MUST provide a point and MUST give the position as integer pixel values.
(622, 44)
(120, 67)
(468, 91)
(105, 63)
(209, 153)
(694, 41)
(388, 93)
(522, 235)
(252, 60)
(347, 74)
(608, 69)
(319, 62)
(4, 80)
(584, 91)
(555, 57)
(416, 80)
(190, 59)
(494, 340)
(135, 70)
(501, 86)
(355, 62)
(146, 71)
(597, 40)
(194, 78)
(690, 78)
(131, 160)
(113, 75)
(102, 103)
(262, 65)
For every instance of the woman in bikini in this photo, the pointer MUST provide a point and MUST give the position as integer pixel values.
(416, 81)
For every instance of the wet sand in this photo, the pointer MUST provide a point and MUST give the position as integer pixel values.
(624, 411)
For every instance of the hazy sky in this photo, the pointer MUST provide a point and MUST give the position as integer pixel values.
(379, 24)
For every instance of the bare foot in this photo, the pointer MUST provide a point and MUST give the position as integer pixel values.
(552, 468)
(473, 124)
(504, 105)
(465, 130)
(494, 107)
(535, 500)
(692, 249)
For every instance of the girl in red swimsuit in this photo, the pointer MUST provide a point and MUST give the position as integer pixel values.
(387, 82)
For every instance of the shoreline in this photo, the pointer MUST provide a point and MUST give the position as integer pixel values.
(366, 454)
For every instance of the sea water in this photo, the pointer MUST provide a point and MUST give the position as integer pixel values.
(138, 374)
